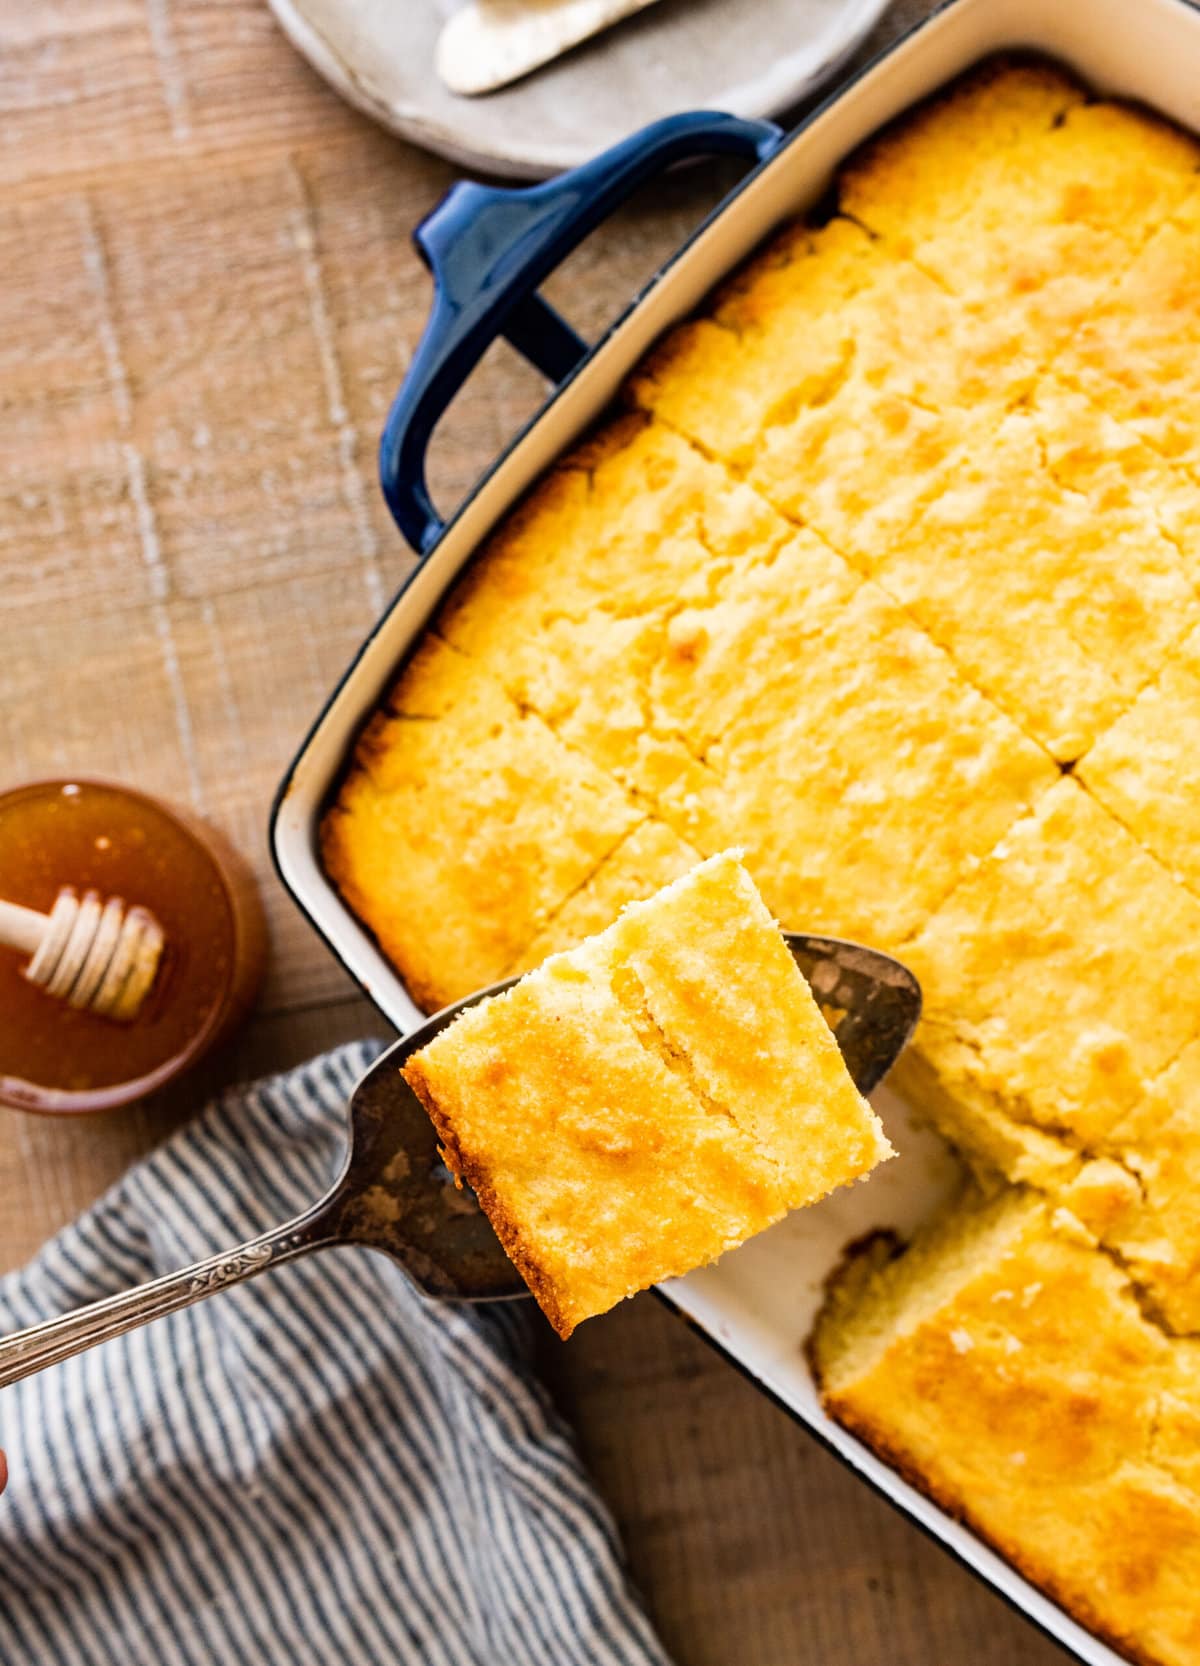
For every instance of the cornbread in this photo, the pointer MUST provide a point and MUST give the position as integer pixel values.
(1059, 614)
(1006, 1367)
(890, 574)
(1136, 350)
(455, 782)
(649, 858)
(1018, 188)
(642, 1103)
(860, 772)
(1146, 769)
(1037, 998)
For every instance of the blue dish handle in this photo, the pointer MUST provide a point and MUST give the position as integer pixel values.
(488, 249)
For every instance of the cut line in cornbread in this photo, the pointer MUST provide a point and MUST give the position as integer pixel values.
(1139, 1195)
(642, 1103)
(805, 717)
(1058, 613)
(463, 824)
(1146, 769)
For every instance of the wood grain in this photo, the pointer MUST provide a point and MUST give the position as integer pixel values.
(207, 297)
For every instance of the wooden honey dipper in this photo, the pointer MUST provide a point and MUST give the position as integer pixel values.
(98, 955)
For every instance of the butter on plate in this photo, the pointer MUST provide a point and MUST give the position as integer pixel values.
(644, 1102)
(490, 43)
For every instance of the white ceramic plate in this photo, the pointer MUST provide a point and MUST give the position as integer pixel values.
(750, 57)
(757, 1302)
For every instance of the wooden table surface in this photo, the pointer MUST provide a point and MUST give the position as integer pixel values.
(207, 297)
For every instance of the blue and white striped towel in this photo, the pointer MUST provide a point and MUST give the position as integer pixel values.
(315, 1467)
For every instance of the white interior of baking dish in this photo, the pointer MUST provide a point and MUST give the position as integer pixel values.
(758, 1302)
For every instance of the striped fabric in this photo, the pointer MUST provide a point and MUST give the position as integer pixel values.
(314, 1467)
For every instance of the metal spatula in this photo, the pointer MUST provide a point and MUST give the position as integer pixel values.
(396, 1195)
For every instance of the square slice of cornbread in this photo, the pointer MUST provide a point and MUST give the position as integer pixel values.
(644, 1102)
(781, 329)
(1004, 1366)
(1057, 612)
(804, 716)
(462, 826)
(1060, 978)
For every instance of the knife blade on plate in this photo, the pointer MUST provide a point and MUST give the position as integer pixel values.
(488, 43)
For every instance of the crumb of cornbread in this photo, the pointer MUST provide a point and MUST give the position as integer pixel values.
(649, 858)
(644, 1102)
(462, 824)
(1043, 976)
(1146, 769)
(817, 727)
(1005, 1368)
(1060, 614)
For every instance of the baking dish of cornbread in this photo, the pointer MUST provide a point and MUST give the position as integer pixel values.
(886, 571)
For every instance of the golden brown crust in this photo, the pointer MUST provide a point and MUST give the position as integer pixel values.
(968, 106)
(1070, 1600)
(337, 858)
(1007, 1371)
(472, 1171)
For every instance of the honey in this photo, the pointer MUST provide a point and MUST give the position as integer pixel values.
(121, 843)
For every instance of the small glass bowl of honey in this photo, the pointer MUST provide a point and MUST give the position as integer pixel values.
(119, 842)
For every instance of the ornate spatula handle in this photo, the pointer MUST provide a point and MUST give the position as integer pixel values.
(30, 1350)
